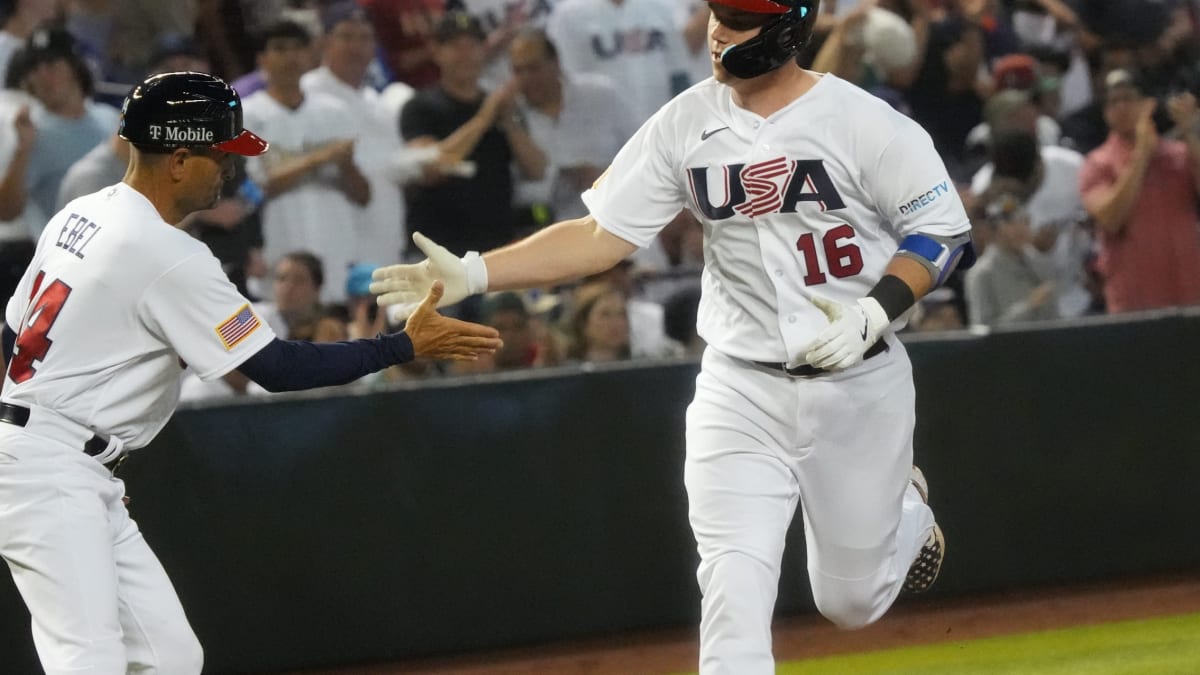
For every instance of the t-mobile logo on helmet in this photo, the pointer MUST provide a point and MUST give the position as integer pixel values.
(185, 135)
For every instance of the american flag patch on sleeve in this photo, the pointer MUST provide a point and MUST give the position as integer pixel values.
(237, 327)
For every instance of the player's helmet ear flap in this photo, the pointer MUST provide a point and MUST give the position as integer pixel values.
(779, 41)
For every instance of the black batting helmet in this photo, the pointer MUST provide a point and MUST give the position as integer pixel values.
(177, 110)
(779, 41)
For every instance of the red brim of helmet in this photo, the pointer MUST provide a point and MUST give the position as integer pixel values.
(246, 143)
(756, 6)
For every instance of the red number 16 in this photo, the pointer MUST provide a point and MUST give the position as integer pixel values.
(844, 259)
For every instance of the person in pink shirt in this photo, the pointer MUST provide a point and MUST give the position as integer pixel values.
(1141, 192)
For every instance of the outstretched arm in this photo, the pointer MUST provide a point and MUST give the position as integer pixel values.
(559, 253)
(564, 251)
(292, 365)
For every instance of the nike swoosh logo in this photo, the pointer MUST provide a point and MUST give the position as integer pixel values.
(705, 134)
(864, 333)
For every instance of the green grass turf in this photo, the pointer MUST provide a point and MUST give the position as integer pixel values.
(1161, 646)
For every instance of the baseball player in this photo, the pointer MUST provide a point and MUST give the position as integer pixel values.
(115, 302)
(826, 216)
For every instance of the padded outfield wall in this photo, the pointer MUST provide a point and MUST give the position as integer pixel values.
(311, 530)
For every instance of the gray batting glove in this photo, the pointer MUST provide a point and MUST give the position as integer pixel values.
(851, 331)
(402, 287)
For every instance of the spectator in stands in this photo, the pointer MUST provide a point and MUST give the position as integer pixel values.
(17, 136)
(102, 166)
(1008, 284)
(296, 305)
(580, 121)
(311, 180)
(508, 313)
(1014, 105)
(1046, 178)
(646, 316)
(874, 48)
(137, 25)
(1085, 129)
(347, 51)
(255, 80)
(69, 124)
(598, 326)
(406, 30)
(947, 94)
(18, 19)
(501, 22)
(634, 42)
(469, 211)
(1141, 191)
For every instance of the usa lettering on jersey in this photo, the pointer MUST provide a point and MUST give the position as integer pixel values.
(634, 41)
(773, 186)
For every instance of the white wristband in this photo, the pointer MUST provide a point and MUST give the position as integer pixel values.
(477, 274)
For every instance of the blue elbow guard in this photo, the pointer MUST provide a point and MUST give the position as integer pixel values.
(939, 254)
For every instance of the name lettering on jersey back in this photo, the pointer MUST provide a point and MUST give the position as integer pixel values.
(926, 199)
(777, 185)
(76, 234)
(633, 41)
(181, 135)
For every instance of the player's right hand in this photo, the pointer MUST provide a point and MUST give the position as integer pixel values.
(405, 285)
(440, 337)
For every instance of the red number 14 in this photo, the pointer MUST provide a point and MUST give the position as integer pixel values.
(32, 343)
(843, 259)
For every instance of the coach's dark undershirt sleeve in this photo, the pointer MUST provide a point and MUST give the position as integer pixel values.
(292, 365)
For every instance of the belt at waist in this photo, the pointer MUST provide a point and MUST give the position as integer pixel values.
(805, 370)
(95, 446)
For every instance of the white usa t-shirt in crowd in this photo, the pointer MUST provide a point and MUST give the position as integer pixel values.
(812, 200)
(380, 234)
(114, 304)
(636, 44)
(314, 215)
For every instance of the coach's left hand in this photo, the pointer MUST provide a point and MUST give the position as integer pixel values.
(441, 337)
(851, 331)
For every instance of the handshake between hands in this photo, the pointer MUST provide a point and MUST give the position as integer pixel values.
(417, 290)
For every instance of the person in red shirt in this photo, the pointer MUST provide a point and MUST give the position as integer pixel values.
(1141, 192)
(405, 30)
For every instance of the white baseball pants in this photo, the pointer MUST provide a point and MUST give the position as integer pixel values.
(99, 599)
(840, 445)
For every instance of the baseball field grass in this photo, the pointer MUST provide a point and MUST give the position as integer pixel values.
(1160, 646)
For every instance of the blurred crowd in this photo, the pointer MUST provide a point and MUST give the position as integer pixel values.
(1069, 126)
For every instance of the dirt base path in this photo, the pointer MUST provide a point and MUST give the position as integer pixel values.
(910, 622)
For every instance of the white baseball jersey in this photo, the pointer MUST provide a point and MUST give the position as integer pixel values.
(315, 215)
(810, 201)
(114, 304)
(636, 43)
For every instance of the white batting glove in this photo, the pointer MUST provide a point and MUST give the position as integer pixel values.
(402, 287)
(851, 332)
